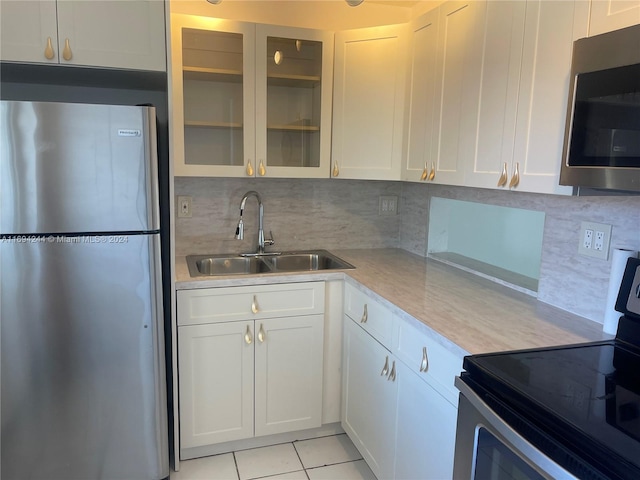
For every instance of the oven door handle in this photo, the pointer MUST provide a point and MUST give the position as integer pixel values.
(514, 440)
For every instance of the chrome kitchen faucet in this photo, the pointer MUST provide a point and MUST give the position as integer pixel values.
(240, 228)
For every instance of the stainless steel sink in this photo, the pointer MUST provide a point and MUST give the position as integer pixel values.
(301, 261)
(200, 265)
(231, 264)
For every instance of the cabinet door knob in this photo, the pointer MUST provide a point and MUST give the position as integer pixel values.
(249, 169)
(425, 173)
(432, 173)
(254, 305)
(336, 171)
(248, 337)
(261, 170)
(49, 53)
(261, 335)
(515, 178)
(392, 374)
(502, 181)
(66, 52)
(365, 315)
(385, 369)
(424, 365)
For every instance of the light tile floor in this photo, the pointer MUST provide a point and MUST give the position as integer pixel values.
(326, 458)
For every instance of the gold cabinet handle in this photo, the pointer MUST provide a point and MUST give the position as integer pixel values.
(248, 337)
(424, 365)
(49, 53)
(392, 374)
(515, 178)
(502, 181)
(432, 173)
(261, 335)
(365, 315)
(254, 305)
(261, 170)
(66, 52)
(249, 170)
(385, 369)
(425, 173)
(336, 171)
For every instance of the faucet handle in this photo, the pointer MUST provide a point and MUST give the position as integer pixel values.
(269, 241)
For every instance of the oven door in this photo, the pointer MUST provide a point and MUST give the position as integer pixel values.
(488, 448)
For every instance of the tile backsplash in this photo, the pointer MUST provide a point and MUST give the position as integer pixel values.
(302, 214)
(333, 214)
(567, 280)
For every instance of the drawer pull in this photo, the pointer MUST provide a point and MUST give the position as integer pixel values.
(248, 338)
(254, 305)
(49, 54)
(365, 315)
(425, 173)
(392, 374)
(66, 52)
(385, 369)
(515, 179)
(424, 365)
(261, 334)
(432, 173)
(502, 181)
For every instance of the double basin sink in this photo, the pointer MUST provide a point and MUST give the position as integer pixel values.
(229, 264)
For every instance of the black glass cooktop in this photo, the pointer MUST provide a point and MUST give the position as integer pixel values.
(586, 396)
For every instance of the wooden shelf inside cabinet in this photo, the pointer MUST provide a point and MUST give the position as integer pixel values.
(287, 80)
(295, 128)
(194, 123)
(212, 74)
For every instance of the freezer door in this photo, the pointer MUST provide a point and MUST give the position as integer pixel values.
(77, 168)
(83, 379)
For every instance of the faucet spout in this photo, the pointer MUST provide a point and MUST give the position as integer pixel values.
(240, 228)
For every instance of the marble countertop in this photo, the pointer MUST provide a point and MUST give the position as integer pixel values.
(472, 312)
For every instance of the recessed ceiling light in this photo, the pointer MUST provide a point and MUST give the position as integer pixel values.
(214, 2)
(354, 3)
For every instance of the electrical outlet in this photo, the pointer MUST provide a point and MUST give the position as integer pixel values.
(594, 240)
(588, 239)
(388, 205)
(184, 206)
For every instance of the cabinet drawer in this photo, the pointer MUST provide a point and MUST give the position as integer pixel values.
(441, 365)
(371, 315)
(225, 304)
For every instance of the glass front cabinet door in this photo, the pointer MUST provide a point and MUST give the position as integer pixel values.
(250, 100)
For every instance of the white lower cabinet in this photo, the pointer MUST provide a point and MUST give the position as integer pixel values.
(216, 383)
(256, 375)
(425, 429)
(369, 399)
(397, 406)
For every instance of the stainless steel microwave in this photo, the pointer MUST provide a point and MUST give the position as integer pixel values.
(602, 135)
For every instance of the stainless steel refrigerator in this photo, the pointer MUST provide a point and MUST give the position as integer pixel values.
(82, 349)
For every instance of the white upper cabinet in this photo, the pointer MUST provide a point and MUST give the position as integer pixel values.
(608, 15)
(550, 30)
(294, 73)
(127, 34)
(250, 100)
(213, 93)
(420, 109)
(497, 64)
(500, 98)
(368, 103)
(455, 105)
